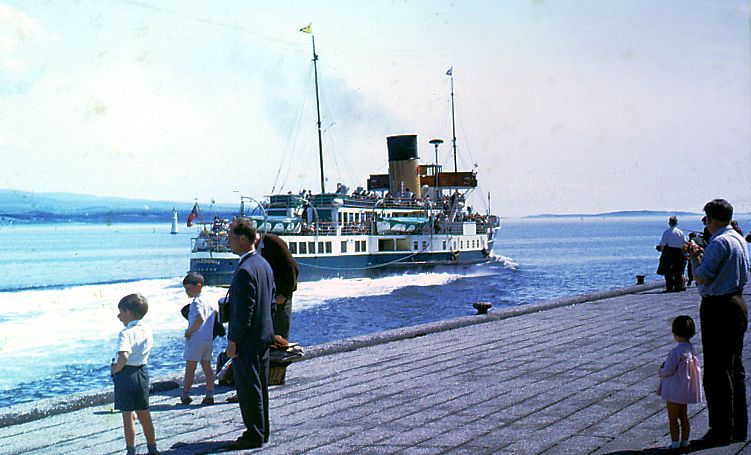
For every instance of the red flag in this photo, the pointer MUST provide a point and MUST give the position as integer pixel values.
(193, 215)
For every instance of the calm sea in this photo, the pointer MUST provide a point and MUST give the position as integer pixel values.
(60, 286)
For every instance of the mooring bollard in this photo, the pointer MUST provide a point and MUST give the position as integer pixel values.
(482, 307)
(640, 279)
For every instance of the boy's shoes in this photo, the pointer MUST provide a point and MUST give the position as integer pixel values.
(207, 400)
(232, 399)
(186, 400)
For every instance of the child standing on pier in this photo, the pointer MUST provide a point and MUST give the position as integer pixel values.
(199, 339)
(129, 372)
(680, 381)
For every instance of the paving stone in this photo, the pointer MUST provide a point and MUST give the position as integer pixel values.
(568, 379)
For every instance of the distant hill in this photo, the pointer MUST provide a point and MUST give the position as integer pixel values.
(619, 214)
(28, 207)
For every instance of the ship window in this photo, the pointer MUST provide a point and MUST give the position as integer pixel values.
(344, 246)
(357, 247)
(320, 247)
(444, 245)
(364, 246)
(312, 247)
(386, 245)
(402, 244)
(340, 217)
(424, 245)
(328, 247)
(293, 247)
(303, 248)
(417, 245)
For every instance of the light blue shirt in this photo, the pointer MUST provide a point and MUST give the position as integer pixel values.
(724, 268)
(673, 237)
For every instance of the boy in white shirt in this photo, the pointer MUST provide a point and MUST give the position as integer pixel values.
(199, 339)
(130, 374)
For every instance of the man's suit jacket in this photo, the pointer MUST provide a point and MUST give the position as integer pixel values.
(251, 305)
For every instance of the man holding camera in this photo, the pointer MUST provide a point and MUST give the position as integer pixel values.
(721, 271)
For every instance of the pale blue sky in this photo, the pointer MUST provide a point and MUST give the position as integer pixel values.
(563, 106)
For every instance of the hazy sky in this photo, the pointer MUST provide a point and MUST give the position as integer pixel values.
(562, 106)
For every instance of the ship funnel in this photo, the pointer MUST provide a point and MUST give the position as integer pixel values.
(403, 163)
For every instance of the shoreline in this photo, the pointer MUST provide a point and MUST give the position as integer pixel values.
(36, 410)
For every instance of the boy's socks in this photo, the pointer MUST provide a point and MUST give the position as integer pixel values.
(130, 450)
(152, 448)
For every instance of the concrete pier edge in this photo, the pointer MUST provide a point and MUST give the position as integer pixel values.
(39, 409)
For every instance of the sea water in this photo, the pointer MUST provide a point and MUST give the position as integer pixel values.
(60, 285)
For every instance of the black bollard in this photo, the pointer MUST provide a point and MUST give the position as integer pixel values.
(640, 279)
(482, 307)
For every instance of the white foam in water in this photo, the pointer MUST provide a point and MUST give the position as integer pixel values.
(507, 262)
(64, 316)
(315, 293)
(68, 315)
(66, 320)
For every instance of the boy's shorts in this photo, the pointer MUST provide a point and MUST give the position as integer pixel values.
(197, 350)
(132, 389)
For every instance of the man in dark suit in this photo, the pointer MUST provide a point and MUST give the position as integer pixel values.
(251, 333)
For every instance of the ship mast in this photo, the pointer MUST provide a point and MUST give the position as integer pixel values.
(309, 29)
(450, 73)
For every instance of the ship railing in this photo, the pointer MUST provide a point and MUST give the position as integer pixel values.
(403, 203)
(326, 228)
(441, 227)
(450, 228)
(214, 244)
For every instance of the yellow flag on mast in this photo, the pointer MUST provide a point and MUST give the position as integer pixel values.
(308, 28)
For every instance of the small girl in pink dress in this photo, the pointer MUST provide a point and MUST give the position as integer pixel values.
(680, 381)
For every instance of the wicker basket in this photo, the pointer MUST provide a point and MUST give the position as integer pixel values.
(277, 371)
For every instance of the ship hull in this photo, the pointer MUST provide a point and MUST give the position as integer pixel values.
(218, 270)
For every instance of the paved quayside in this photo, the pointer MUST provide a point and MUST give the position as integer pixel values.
(554, 377)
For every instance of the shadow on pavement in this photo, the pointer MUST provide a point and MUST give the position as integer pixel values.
(197, 448)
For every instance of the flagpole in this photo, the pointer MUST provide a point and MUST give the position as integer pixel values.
(200, 214)
(318, 112)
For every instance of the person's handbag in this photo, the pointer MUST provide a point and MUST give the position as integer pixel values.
(224, 309)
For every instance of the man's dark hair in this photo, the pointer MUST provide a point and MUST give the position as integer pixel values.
(719, 209)
(684, 326)
(193, 278)
(135, 303)
(244, 226)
